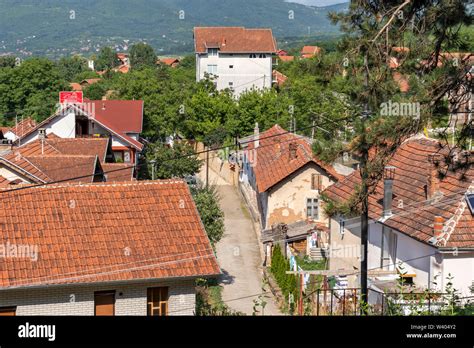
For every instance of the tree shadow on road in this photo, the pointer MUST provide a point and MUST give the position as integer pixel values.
(225, 278)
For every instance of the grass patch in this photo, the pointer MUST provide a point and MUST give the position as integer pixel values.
(310, 265)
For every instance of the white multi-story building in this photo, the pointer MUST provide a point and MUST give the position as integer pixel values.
(235, 57)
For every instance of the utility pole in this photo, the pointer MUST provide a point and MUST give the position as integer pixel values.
(364, 219)
(301, 294)
(207, 167)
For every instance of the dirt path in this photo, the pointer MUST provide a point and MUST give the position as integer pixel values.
(238, 253)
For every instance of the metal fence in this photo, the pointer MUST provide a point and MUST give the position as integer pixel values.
(347, 302)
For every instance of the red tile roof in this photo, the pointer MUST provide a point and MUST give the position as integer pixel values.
(310, 51)
(122, 68)
(412, 214)
(286, 58)
(75, 86)
(279, 78)
(118, 171)
(89, 81)
(121, 117)
(57, 158)
(80, 146)
(104, 232)
(4, 181)
(65, 167)
(23, 127)
(234, 40)
(273, 162)
(118, 116)
(169, 61)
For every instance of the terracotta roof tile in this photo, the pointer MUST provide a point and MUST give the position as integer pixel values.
(413, 215)
(169, 61)
(234, 40)
(63, 167)
(273, 157)
(286, 58)
(118, 171)
(104, 232)
(279, 78)
(310, 51)
(61, 158)
(23, 127)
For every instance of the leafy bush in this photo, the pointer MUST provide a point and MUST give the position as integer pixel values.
(288, 283)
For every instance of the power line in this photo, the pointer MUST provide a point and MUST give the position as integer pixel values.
(104, 271)
(166, 160)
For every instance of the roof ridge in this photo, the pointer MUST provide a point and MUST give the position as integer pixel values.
(113, 183)
(40, 170)
(58, 155)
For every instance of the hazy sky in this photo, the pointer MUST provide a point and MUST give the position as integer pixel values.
(318, 2)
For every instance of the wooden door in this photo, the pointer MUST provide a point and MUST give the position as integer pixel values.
(157, 300)
(104, 302)
(7, 311)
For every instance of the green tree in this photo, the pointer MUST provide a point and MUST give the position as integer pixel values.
(7, 61)
(142, 55)
(84, 75)
(95, 91)
(107, 59)
(178, 161)
(371, 30)
(30, 89)
(207, 110)
(212, 217)
(70, 67)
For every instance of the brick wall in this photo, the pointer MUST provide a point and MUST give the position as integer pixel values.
(130, 299)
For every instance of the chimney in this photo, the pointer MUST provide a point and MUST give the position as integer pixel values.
(256, 137)
(41, 137)
(103, 106)
(389, 176)
(293, 147)
(438, 226)
(432, 185)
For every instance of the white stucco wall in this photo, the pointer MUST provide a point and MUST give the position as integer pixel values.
(344, 252)
(461, 268)
(63, 126)
(245, 74)
(431, 266)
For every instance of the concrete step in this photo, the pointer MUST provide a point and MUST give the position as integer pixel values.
(317, 254)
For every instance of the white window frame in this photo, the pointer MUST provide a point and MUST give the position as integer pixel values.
(212, 67)
(212, 52)
(314, 207)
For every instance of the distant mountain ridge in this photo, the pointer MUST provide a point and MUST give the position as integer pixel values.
(55, 27)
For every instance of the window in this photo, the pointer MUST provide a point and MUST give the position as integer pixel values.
(316, 182)
(7, 311)
(157, 300)
(252, 55)
(231, 67)
(212, 52)
(118, 156)
(104, 303)
(312, 208)
(231, 84)
(212, 69)
(262, 55)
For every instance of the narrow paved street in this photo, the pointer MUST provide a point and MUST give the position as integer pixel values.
(238, 252)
